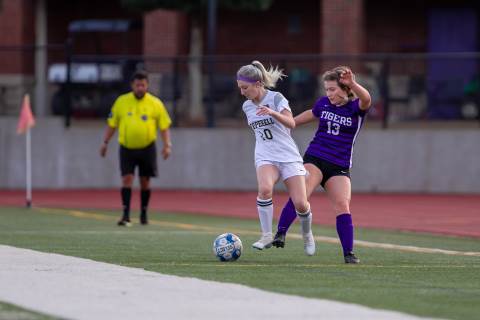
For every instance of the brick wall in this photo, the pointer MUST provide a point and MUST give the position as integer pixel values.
(343, 26)
(285, 28)
(16, 23)
(165, 33)
(11, 23)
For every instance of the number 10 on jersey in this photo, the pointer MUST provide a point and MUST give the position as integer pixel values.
(266, 134)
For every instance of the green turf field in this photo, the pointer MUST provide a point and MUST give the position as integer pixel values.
(438, 284)
(10, 312)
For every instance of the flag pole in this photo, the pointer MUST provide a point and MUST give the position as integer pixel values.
(25, 122)
(29, 169)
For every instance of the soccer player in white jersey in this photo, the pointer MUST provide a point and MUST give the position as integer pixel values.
(276, 154)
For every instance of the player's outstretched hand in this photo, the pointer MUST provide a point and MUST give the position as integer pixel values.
(347, 77)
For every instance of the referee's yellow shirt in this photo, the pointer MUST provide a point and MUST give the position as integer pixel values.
(138, 120)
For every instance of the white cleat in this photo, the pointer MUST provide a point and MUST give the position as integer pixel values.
(265, 242)
(308, 243)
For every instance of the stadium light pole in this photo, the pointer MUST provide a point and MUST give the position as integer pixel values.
(68, 82)
(212, 26)
(40, 97)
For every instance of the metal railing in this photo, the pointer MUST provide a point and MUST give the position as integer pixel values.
(203, 90)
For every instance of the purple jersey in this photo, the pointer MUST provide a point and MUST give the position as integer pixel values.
(338, 128)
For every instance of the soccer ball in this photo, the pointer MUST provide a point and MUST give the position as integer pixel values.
(227, 247)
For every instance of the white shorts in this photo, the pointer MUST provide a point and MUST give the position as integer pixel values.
(286, 169)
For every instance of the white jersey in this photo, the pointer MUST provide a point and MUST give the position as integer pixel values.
(273, 139)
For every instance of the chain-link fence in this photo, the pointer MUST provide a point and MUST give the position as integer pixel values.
(203, 91)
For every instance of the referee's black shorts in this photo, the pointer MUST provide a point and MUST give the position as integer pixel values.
(145, 159)
(327, 168)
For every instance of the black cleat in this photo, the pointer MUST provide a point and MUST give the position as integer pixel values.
(279, 240)
(351, 258)
(143, 219)
(124, 223)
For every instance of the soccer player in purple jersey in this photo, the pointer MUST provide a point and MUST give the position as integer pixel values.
(328, 158)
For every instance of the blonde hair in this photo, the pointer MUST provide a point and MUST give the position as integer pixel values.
(257, 72)
(335, 75)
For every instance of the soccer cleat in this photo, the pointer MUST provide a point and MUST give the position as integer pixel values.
(351, 258)
(143, 219)
(124, 223)
(308, 243)
(279, 240)
(265, 242)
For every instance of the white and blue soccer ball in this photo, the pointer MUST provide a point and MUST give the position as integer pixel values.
(227, 247)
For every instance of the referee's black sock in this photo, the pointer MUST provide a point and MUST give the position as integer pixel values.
(144, 198)
(126, 196)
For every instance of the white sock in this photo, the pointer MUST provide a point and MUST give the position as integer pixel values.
(265, 213)
(305, 221)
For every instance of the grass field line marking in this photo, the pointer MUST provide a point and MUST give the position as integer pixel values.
(416, 249)
(311, 265)
(95, 232)
(103, 217)
(188, 226)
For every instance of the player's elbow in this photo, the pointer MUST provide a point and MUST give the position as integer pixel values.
(366, 102)
(291, 124)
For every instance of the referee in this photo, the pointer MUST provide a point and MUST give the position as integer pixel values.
(138, 115)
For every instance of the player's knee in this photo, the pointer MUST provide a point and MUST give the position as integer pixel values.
(342, 205)
(265, 193)
(301, 206)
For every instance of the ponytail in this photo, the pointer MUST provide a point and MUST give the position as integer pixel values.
(256, 72)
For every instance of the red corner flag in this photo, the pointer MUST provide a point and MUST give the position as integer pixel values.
(26, 120)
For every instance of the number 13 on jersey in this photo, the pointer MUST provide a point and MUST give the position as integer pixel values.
(333, 128)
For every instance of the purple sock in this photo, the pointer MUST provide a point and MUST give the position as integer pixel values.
(287, 217)
(345, 232)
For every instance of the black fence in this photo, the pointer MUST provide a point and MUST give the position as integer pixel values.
(202, 91)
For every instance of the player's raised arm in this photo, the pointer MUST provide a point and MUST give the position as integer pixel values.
(348, 79)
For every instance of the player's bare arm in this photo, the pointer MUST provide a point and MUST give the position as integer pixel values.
(285, 117)
(348, 79)
(304, 117)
